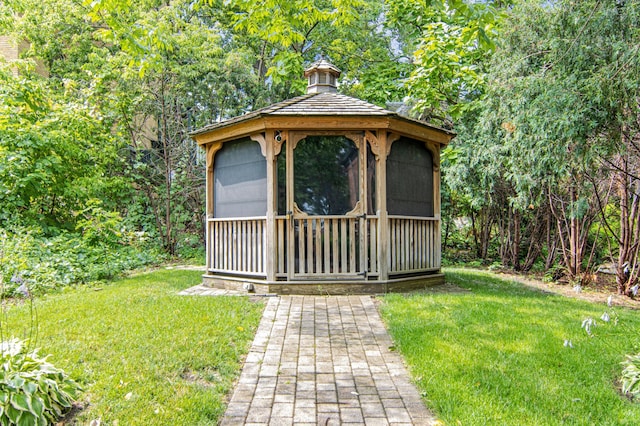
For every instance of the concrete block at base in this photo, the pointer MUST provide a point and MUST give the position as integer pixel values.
(328, 288)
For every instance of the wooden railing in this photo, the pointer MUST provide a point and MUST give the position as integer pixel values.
(327, 245)
(323, 246)
(414, 244)
(237, 245)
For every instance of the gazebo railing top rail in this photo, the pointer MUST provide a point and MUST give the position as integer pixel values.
(232, 219)
(227, 219)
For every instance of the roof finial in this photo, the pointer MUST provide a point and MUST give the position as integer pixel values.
(322, 77)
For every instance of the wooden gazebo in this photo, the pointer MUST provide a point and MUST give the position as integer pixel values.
(324, 194)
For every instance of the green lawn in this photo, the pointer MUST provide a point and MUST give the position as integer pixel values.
(495, 355)
(145, 355)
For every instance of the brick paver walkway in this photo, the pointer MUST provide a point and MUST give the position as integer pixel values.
(324, 361)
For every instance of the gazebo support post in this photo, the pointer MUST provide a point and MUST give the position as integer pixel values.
(381, 197)
(269, 239)
(208, 211)
(211, 150)
(437, 201)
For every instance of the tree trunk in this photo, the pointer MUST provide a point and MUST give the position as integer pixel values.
(628, 185)
(575, 249)
(515, 245)
(168, 243)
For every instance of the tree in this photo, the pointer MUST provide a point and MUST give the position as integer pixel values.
(54, 153)
(450, 41)
(561, 95)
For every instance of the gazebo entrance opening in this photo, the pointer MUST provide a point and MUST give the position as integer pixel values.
(326, 206)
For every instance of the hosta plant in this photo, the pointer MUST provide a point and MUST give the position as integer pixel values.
(631, 377)
(32, 390)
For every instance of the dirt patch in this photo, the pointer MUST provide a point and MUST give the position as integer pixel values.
(70, 417)
(445, 288)
(187, 267)
(207, 377)
(593, 293)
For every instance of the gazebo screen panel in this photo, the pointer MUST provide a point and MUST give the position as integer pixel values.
(410, 179)
(240, 179)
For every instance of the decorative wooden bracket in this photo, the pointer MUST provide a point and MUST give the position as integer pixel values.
(259, 137)
(435, 155)
(374, 143)
(295, 138)
(391, 138)
(211, 152)
(279, 139)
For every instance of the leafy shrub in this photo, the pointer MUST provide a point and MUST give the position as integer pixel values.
(99, 226)
(48, 263)
(554, 273)
(631, 376)
(32, 390)
(190, 248)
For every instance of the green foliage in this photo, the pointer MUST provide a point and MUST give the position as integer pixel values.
(546, 137)
(631, 376)
(545, 101)
(450, 41)
(32, 390)
(45, 264)
(554, 273)
(190, 248)
(288, 27)
(99, 226)
(54, 152)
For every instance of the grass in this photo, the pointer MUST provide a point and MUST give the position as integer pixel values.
(144, 355)
(496, 355)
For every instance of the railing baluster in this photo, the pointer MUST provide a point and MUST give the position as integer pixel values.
(335, 255)
(327, 245)
(318, 248)
(343, 246)
(352, 223)
(373, 244)
(281, 243)
(310, 246)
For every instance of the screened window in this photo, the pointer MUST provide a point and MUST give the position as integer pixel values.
(410, 179)
(240, 174)
(326, 175)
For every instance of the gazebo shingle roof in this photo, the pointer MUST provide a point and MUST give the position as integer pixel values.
(314, 104)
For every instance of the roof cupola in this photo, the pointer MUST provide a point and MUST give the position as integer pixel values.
(322, 77)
